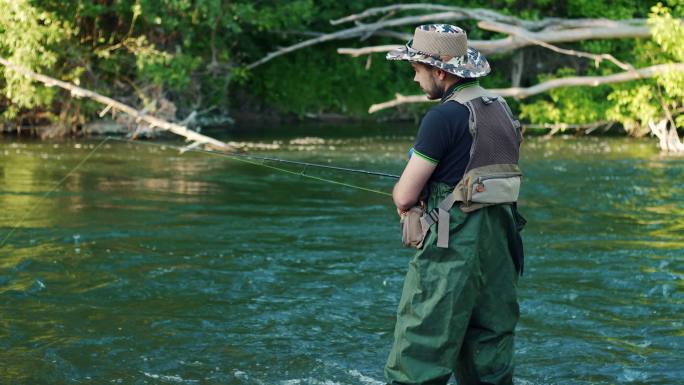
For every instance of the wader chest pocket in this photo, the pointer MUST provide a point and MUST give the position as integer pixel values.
(495, 189)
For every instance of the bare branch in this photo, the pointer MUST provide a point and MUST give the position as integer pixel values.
(558, 127)
(399, 99)
(488, 14)
(355, 52)
(299, 33)
(523, 34)
(355, 32)
(593, 29)
(642, 73)
(522, 38)
(569, 126)
(598, 58)
(397, 7)
(521, 93)
(118, 106)
(396, 35)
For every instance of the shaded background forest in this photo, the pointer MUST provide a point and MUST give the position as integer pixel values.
(174, 57)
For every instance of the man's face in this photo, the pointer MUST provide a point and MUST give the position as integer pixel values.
(428, 80)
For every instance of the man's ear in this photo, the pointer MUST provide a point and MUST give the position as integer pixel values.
(441, 74)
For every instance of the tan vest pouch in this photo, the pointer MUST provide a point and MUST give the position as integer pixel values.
(414, 228)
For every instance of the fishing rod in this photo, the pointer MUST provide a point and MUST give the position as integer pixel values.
(246, 158)
(277, 160)
(259, 161)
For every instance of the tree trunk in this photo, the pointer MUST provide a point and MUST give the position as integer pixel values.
(668, 138)
(517, 67)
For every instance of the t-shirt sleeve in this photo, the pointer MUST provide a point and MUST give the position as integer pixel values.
(432, 140)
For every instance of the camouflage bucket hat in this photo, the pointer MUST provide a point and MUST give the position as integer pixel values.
(443, 46)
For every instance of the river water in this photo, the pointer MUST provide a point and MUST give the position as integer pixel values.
(147, 266)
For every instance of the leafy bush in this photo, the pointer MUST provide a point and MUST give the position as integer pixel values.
(195, 54)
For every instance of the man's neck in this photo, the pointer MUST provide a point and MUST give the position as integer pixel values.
(449, 85)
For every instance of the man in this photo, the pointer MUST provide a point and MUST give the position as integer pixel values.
(458, 308)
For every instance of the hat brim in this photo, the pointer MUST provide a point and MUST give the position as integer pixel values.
(471, 65)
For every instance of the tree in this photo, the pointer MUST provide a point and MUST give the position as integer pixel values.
(147, 53)
(206, 56)
(650, 102)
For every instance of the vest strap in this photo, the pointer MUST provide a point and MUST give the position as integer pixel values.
(470, 93)
(496, 183)
(443, 228)
(443, 222)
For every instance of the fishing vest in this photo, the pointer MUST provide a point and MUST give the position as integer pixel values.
(492, 175)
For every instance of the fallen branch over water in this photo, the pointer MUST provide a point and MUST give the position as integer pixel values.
(554, 128)
(521, 38)
(361, 30)
(573, 81)
(489, 15)
(114, 105)
(517, 33)
(555, 30)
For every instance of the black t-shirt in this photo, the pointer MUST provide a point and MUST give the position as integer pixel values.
(444, 139)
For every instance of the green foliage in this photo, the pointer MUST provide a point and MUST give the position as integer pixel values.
(634, 105)
(573, 104)
(195, 53)
(139, 50)
(268, 18)
(303, 82)
(667, 32)
(609, 9)
(28, 36)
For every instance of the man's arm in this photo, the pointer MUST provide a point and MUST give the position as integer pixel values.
(407, 191)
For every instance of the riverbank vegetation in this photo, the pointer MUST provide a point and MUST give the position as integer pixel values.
(214, 62)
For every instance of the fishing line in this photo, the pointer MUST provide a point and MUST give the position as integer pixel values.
(247, 159)
(318, 165)
(58, 185)
(266, 158)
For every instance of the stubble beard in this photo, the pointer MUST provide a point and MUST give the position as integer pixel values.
(434, 91)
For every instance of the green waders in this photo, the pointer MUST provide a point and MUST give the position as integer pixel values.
(458, 308)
